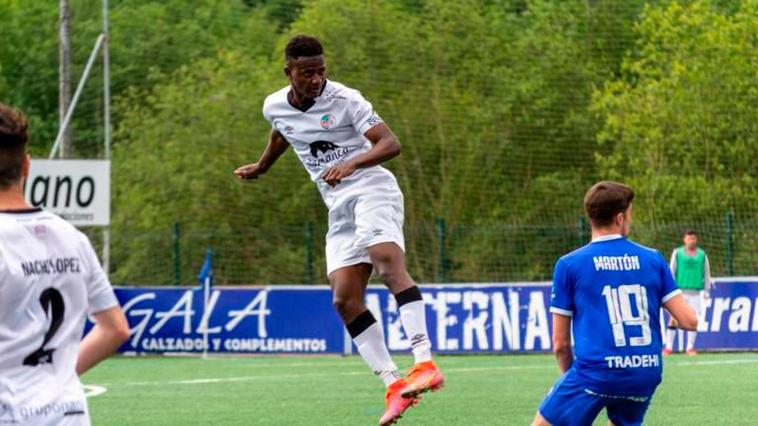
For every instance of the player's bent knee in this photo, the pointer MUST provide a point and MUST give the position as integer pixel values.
(388, 275)
(387, 254)
(348, 308)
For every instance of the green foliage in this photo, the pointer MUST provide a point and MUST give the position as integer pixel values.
(30, 75)
(285, 11)
(507, 111)
(176, 156)
(149, 40)
(680, 124)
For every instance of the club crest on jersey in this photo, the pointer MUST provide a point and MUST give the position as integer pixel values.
(327, 121)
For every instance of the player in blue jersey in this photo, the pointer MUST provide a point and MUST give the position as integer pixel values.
(610, 293)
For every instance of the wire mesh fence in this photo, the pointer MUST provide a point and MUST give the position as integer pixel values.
(507, 111)
(439, 252)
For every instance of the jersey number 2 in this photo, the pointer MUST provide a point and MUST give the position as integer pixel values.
(620, 313)
(52, 301)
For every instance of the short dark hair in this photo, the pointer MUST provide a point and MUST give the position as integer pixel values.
(689, 232)
(303, 45)
(604, 200)
(13, 139)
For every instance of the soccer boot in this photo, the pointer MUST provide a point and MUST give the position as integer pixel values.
(667, 352)
(395, 404)
(691, 352)
(424, 376)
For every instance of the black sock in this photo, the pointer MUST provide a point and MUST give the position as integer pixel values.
(412, 294)
(360, 323)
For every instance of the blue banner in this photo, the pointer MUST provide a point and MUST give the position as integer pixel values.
(468, 318)
(473, 318)
(730, 317)
(248, 320)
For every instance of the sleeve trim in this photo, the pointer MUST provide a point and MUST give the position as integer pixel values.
(372, 121)
(668, 297)
(560, 311)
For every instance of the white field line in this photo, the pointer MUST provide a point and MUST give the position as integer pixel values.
(93, 390)
(714, 362)
(326, 362)
(278, 377)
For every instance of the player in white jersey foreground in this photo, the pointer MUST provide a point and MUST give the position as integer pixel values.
(608, 296)
(341, 142)
(50, 279)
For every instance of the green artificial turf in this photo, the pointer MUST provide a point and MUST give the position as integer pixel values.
(481, 390)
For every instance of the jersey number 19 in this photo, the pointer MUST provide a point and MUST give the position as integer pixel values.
(620, 313)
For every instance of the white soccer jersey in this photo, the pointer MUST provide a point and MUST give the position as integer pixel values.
(329, 133)
(50, 279)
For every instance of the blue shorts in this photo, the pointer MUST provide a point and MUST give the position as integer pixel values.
(570, 402)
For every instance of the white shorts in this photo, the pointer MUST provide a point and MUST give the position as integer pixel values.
(694, 298)
(360, 222)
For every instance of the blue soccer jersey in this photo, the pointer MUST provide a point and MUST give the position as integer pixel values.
(613, 289)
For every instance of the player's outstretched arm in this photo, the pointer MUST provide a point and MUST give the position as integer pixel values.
(562, 341)
(275, 147)
(385, 147)
(110, 331)
(682, 312)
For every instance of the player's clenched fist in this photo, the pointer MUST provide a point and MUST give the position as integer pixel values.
(335, 174)
(249, 171)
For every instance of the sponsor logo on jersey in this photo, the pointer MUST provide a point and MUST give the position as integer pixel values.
(283, 128)
(325, 152)
(5, 413)
(40, 230)
(628, 398)
(330, 94)
(322, 146)
(67, 408)
(633, 361)
(327, 121)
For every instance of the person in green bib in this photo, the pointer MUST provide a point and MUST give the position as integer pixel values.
(692, 272)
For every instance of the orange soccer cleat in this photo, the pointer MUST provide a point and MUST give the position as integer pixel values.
(667, 352)
(395, 404)
(424, 376)
(691, 352)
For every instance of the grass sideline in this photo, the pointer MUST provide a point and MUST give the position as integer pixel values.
(329, 390)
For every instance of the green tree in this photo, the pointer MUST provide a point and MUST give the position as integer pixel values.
(178, 148)
(680, 123)
(149, 40)
(507, 111)
(31, 74)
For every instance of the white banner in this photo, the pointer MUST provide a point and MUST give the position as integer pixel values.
(77, 190)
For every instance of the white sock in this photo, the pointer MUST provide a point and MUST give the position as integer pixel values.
(413, 317)
(691, 336)
(371, 346)
(670, 334)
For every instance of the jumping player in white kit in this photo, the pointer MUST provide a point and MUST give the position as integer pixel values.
(50, 279)
(341, 142)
